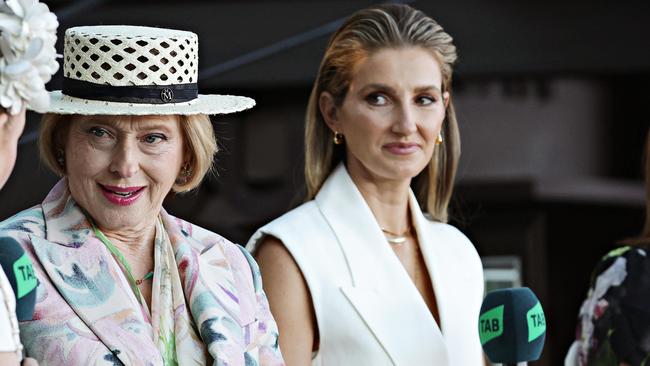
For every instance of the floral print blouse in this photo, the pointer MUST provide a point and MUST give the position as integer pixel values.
(614, 321)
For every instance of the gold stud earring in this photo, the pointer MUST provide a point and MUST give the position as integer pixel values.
(439, 139)
(338, 138)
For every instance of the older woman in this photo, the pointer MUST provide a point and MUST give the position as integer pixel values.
(121, 281)
(359, 274)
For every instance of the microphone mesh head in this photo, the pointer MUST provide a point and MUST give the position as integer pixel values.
(20, 273)
(512, 326)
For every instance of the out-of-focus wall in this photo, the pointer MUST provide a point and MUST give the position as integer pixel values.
(533, 129)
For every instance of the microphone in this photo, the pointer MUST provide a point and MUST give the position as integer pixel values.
(20, 273)
(512, 326)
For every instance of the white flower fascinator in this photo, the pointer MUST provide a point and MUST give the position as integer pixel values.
(27, 54)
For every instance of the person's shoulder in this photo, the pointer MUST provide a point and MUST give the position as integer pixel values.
(305, 218)
(451, 240)
(626, 251)
(205, 241)
(30, 221)
(299, 215)
(200, 237)
(629, 259)
(451, 234)
(615, 313)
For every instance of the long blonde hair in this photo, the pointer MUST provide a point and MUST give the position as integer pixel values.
(365, 32)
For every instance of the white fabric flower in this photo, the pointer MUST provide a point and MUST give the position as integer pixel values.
(28, 54)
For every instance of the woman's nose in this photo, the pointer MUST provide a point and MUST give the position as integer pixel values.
(405, 121)
(125, 161)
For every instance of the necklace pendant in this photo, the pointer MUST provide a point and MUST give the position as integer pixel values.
(396, 240)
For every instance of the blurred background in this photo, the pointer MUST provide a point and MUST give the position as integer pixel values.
(552, 100)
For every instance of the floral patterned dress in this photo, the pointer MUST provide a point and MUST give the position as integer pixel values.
(614, 320)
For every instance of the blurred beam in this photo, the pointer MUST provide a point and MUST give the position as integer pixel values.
(272, 49)
(277, 47)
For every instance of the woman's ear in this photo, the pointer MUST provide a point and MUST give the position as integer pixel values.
(445, 99)
(329, 111)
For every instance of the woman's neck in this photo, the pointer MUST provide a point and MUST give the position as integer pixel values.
(387, 199)
(136, 245)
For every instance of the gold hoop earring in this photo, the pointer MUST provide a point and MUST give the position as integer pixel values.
(338, 138)
(439, 139)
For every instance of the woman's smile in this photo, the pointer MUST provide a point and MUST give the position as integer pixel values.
(122, 196)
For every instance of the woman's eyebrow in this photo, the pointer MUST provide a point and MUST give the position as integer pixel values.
(389, 89)
(424, 88)
(120, 126)
(153, 126)
(95, 121)
(378, 86)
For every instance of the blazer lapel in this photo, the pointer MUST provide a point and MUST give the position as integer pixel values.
(449, 282)
(435, 262)
(380, 287)
(90, 280)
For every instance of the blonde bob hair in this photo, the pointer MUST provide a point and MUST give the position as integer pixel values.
(365, 32)
(198, 137)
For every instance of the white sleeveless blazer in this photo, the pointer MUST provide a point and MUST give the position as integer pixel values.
(368, 310)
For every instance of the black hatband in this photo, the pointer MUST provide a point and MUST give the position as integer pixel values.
(147, 94)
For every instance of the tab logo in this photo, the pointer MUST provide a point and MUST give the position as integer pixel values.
(536, 322)
(25, 277)
(491, 324)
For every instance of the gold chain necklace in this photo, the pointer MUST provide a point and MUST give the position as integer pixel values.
(395, 238)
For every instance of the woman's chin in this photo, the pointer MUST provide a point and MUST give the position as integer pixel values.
(110, 216)
(405, 169)
(117, 223)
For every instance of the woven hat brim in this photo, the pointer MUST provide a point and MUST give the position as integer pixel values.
(204, 104)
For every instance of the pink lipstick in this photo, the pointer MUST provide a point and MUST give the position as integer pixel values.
(402, 148)
(122, 196)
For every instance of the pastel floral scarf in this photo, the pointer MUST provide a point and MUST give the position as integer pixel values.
(173, 329)
(168, 316)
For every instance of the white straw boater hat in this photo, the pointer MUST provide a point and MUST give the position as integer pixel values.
(132, 70)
